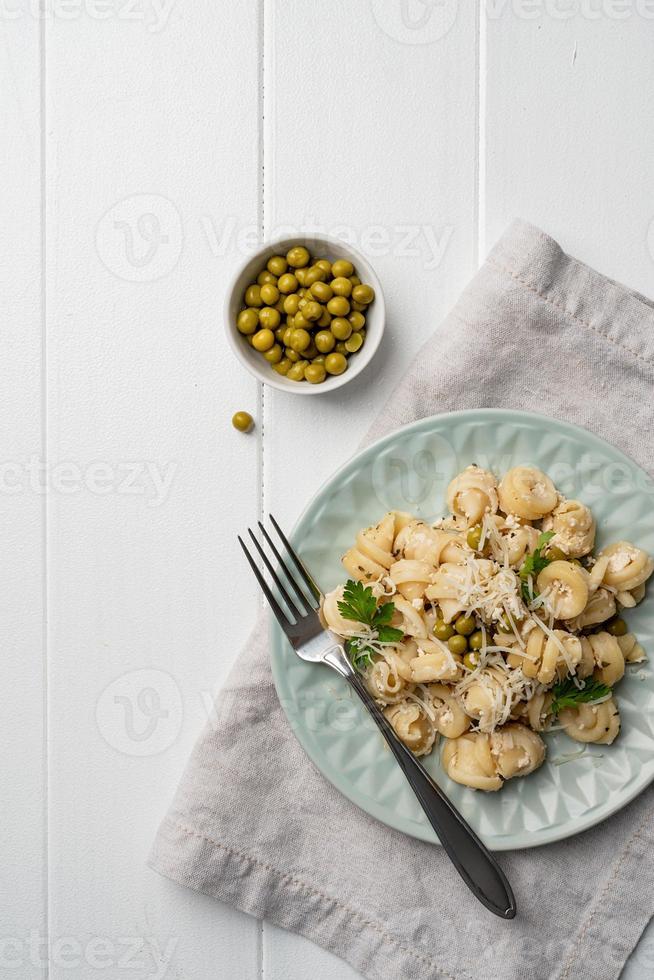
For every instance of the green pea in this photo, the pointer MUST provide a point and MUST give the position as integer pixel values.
(337, 306)
(341, 328)
(265, 277)
(341, 286)
(253, 296)
(616, 626)
(324, 264)
(247, 321)
(555, 554)
(473, 537)
(277, 264)
(298, 257)
(341, 267)
(283, 366)
(274, 354)
(465, 625)
(269, 317)
(315, 373)
(443, 631)
(301, 321)
(335, 364)
(292, 355)
(242, 421)
(325, 319)
(296, 371)
(300, 339)
(269, 294)
(287, 283)
(363, 294)
(314, 274)
(324, 341)
(354, 343)
(476, 640)
(458, 644)
(292, 304)
(263, 340)
(471, 661)
(312, 311)
(357, 320)
(322, 291)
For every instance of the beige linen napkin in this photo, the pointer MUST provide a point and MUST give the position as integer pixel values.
(256, 825)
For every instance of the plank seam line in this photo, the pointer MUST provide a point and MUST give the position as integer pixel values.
(573, 316)
(262, 395)
(294, 880)
(44, 505)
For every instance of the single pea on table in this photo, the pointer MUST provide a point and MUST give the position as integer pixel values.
(305, 316)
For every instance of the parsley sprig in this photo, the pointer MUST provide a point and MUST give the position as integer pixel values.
(359, 604)
(568, 695)
(533, 564)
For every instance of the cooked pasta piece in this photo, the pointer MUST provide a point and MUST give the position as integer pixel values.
(411, 577)
(384, 682)
(547, 656)
(468, 760)
(412, 726)
(435, 662)
(472, 494)
(418, 541)
(632, 651)
(527, 492)
(600, 607)
(574, 528)
(373, 554)
(607, 655)
(450, 718)
(565, 588)
(628, 566)
(485, 762)
(598, 723)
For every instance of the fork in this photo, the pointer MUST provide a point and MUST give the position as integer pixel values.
(302, 626)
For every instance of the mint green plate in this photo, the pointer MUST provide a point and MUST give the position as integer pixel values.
(410, 470)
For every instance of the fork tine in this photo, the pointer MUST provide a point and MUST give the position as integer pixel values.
(296, 588)
(282, 618)
(306, 577)
(293, 606)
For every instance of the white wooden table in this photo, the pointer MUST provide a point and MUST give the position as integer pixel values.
(147, 145)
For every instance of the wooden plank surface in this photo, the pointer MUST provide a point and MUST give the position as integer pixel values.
(174, 137)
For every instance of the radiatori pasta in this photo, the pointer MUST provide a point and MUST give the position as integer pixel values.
(492, 625)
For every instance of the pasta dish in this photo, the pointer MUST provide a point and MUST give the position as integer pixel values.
(493, 625)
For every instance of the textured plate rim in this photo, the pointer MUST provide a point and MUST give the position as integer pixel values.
(515, 841)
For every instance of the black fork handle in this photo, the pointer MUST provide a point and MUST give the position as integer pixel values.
(474, 862)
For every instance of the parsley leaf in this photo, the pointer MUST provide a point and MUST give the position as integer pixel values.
(359, 604)
(533, 564)
(568, 695)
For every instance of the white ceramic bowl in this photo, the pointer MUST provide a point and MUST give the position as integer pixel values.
(320, 246)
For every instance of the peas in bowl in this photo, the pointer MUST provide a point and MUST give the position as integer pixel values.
(305, 316)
